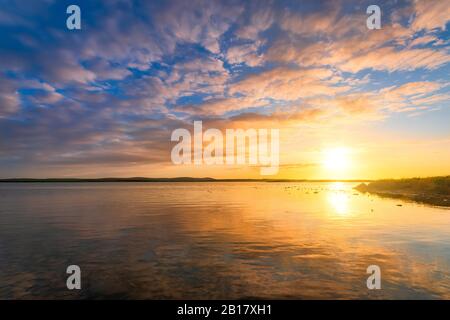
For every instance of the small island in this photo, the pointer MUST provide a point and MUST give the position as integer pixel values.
(432, 190)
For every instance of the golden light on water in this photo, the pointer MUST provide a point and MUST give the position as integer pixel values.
(338, 199)
(339, 203)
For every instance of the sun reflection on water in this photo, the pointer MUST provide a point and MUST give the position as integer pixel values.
(338, 199)
(339, 202)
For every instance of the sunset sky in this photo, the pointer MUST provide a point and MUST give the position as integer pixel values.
(350, 103)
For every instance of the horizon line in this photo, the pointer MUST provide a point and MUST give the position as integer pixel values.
(194, 179)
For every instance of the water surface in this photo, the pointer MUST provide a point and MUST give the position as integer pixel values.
(218, 240)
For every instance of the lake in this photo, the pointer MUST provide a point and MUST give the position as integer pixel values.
(218, 240)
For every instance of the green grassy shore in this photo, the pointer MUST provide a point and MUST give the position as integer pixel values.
(432, 190)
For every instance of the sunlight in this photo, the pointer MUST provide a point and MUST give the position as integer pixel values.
(336, 160)
(336, 186)
(339, 202)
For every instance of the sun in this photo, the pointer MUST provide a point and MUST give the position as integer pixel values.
(336, 160)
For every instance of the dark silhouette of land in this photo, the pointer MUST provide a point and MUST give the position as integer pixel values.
(432, 190)
(177, 179)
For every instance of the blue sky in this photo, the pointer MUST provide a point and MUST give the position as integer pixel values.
(103, 100)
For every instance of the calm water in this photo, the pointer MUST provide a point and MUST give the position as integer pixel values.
(218, 240)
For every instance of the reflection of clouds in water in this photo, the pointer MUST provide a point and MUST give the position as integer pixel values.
(241, 240)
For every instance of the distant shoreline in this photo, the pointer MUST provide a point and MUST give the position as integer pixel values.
(177, 179)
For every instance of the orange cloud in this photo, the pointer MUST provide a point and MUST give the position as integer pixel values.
(390, 59)
(287, 84)
(431, 14)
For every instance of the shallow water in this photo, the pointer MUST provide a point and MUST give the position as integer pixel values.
(218, 240)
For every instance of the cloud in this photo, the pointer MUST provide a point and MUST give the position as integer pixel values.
(9, 103)
(346, 43)
(420, 41)
(308, 24)
(260, 18)
(357, 103)
(390, 59)
(431, 14)
(411, 96)
(286, 84)
(337, 46)
(9, 97)
(200, 22)
(112, 92)
(215, 107)
(245, 53)
(104, 70)
(415, 88)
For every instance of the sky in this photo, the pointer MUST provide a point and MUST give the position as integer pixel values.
(350, 102)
